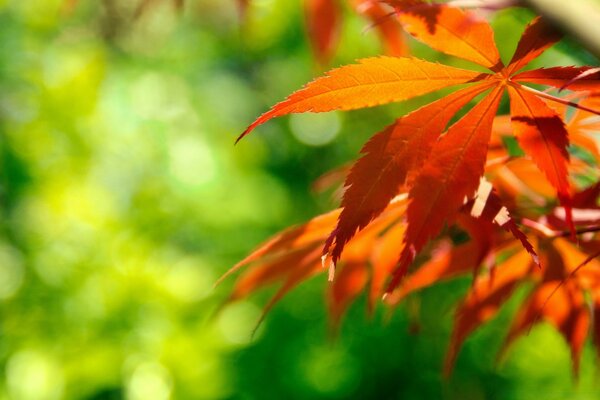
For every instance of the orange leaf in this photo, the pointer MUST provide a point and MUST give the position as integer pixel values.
(389, 29)
(388, 158)
(502, 126)
(536, 39)
(543, 136)
(558, 298)
(446, 263)
(266, 272)
(584, 119)
(565, 308)
(451, 173)
(583, 126)
(575, 257)
(384, 258)
(453, 32)
(293, 256)
(323, 24)
(484, 300)
(348, 284)
(313, 232)
(522, 178)
(303, 269)
(352, 278)
(372, 82)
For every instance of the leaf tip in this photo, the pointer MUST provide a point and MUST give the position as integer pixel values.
(241, 136)
(331, 272)
(330, 267)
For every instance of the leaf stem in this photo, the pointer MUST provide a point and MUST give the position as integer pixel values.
(581, 231)
(561, 284)
(552, 233)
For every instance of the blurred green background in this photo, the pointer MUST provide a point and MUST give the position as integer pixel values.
(123, 199)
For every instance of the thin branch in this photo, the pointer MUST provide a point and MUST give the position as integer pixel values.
(582, 75)
(561, 284)
(553, 233)
(553, 98)
(580, 231)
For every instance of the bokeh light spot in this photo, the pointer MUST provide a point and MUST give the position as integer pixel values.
(237, 322)
(11, 271)
(331, 371)
(149, 380)
(32, 375)
(191, 161)
(315, 129)
(189, 280)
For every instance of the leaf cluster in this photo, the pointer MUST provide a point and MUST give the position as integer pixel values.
(525, 219)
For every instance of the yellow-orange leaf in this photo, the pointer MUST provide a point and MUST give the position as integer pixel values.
(454, 32)
(372, 82)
